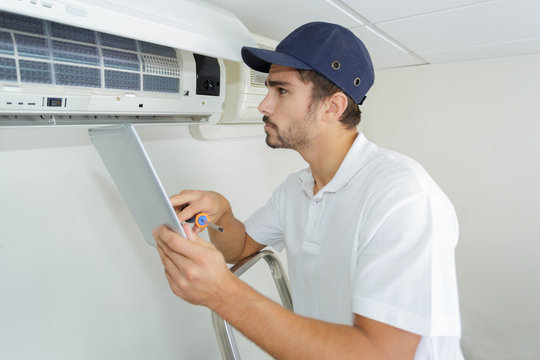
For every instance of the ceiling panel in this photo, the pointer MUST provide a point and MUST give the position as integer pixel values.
(383, 54)
(275, 19)
(383, 10)
(515, 48)
(488, 23)
(260, 18)
(433, 31)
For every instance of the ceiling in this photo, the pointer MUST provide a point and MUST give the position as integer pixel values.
(407, 32)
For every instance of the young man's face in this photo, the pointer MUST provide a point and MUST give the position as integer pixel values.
(289, 121)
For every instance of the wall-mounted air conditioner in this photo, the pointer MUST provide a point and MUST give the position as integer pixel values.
(245, 89)
(77, 62)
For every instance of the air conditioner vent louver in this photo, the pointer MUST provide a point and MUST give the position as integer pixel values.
(257, 78)
(160, 65)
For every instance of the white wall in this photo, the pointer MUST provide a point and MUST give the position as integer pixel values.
(77, 280)
(476, 128)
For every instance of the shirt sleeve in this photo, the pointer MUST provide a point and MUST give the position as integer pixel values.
(264, 224)
(406, 273)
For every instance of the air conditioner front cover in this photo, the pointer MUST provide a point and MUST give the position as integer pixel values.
(52, 67)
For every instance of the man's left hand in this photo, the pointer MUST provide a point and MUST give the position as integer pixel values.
(195, 269)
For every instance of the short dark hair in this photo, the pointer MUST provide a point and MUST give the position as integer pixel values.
(323, 88)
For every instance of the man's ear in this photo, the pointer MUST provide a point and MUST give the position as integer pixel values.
(336, 105)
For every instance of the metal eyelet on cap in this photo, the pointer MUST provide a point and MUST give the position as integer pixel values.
(357, 82)
(336, 65)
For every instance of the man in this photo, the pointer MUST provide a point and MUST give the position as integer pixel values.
(370, 237)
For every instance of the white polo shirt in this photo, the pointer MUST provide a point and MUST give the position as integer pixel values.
(377, 241)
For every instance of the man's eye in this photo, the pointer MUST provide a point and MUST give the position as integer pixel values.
(282, 91)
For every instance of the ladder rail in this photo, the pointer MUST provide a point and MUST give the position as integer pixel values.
(223, 330)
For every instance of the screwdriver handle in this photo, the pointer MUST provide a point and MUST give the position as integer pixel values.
(201, 221)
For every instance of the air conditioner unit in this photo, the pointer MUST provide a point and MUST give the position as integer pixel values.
(80, 62)
(246, 88)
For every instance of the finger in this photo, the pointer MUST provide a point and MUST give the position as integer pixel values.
(192, 234)
(167, 255)
(165, 252)
(191, 202)
(197, 229)
(177, 244)
(175, 286)
(164, 236)
(159, 244)
(183, 197)
(161, 252)
(191, 210)
(176, 264)
(188, 212)
(175, 277)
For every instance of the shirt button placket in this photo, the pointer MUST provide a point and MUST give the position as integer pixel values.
(310, 240)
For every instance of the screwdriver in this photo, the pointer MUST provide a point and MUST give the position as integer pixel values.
(201, 221)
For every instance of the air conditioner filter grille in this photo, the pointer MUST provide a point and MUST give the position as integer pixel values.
(44, 52)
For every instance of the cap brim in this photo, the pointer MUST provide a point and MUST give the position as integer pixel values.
(262, 59)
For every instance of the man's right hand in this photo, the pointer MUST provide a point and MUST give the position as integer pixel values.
(189, 203)
(234, 243)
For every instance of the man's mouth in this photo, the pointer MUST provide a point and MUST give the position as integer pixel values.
(268, 123)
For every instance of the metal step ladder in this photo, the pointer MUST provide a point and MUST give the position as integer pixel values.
(223, 330)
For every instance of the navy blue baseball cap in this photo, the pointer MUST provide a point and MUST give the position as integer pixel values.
(329, 49)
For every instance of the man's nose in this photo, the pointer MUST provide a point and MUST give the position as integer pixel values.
(265, 106)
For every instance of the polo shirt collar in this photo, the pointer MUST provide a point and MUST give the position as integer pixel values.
(357, 157)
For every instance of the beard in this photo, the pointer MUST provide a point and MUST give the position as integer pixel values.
(297, 135)
(277, 143)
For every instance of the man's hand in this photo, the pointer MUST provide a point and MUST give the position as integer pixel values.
(234, 243)
(189, 203)
(195, 269)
